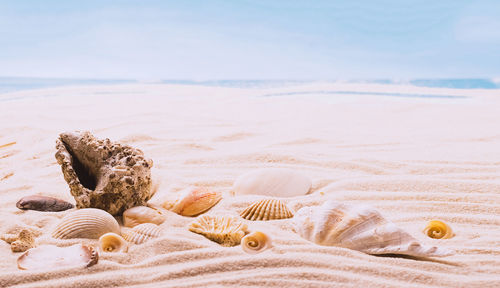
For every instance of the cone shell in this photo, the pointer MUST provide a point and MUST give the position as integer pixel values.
(112, 242)
(193, 201)
(255, 242)
(141, 233)
(225, 230)
(49, 256)
(142, 214)
(86, 223)
(438, 230)
(267, 209)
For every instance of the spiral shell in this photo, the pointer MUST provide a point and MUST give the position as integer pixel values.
(193, 201)
(86, 223)
(438, 230)
(267, 209)
(255, 242)
(141, 233)
(112, 242)
(142, 214)
(225, 230)
(50, 256)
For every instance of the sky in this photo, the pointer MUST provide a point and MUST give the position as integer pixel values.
(260, 39)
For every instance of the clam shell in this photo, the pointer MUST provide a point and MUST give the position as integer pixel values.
(86, 223)
(255, 242)
(141, 233)
(112, 242)
(193, 201)
(267, 209)
(142, 214)
(225, 230)
(274, 182)
(50, 256)
(438, 230)
(359, 228)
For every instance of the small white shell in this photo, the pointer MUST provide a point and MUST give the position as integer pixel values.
(86, 223)
(142, 214)
(141, 233)
(267, 209)
(225, 230)
(255, 242)
(50, 256)
(112, 242)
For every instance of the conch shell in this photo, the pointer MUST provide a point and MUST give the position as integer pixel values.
(141, 233)
(50, 256)
(438, 230)
(274, 182)
(359, 228)
(193, 201)
(86, 223)
(142, 214)
(255, 242)
(112, 242)
(225, 230)
(103, 174)
(267, 209)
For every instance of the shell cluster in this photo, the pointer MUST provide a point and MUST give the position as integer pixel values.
(141, 233)
(112, 242)
(267, 209)
(225, 230)
(142, 214)
(438, 230)
(86, 223)
(50, 256)
(193, 201)
(255, 242)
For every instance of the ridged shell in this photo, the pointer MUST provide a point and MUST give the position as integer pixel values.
(255, 242)
(86, 223)
(141, 233)
(359, 228)
(193, 201)
(438, 230)
(49, 256)
(225, 230)
(267, 209)
(112, 242)
(142, 214)
(273, 182)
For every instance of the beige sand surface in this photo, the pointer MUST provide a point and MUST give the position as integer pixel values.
(413, 158)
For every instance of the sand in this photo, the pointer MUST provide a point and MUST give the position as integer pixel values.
(415, 154)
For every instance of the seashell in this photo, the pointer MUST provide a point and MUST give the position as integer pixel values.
(255, 242)
(25, 240)
(438, 230)
(50, 256)
(193, 201)
(103, 174)
(43, 203)
(274, 182)
(225, 230)
(141, 233)
(267, 209)
(142, 214)
(86, 223)
(112, 242)
(359, 228)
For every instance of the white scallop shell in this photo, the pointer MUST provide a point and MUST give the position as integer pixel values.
(267, 209)
(86, 223)
(50, 256)
(141, 233)
(359, 228)
(275, 182)
(255, 242)
(142, 214)
(112, 242)
(225, 230)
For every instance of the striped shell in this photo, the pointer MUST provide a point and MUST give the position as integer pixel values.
(86, 223)
(255, 242)
(193, 201)
(438, 230)
(225, 230)
(142, 214)
(141, 233)
(267, 209)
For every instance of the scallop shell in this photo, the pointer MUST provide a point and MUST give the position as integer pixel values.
(274, 182)
(86, 223)
(359, 228)
(438, 230)
(25, 241)
(267, 209)
(225, 230)
(193, 201)
(50, 256)
(141, 233)
(142, 214)
(112, 242)
(255, 242)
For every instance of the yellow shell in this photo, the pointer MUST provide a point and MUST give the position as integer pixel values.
(193, 201)
(141, 233)
(86, 223)
(25, 241)
(112, 242)
(255, 242)
(50, 256)
(438, 230)
(142, 214)
(267, 209)
(225, 230)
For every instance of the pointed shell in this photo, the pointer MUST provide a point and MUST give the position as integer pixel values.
(193, 201)
(267, 209)
(225, 230)
(438, 230)
(359, 228)
(274, 182)
(141, 233)
(255, 242)
(142, 214)
(50, 256)
(86, 223)
(112, 242)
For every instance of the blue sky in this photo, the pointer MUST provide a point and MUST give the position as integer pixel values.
(204, 40)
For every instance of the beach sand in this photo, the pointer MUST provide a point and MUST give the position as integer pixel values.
(416, 154)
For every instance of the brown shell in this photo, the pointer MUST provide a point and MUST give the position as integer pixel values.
(43, 203)
(267, 209)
